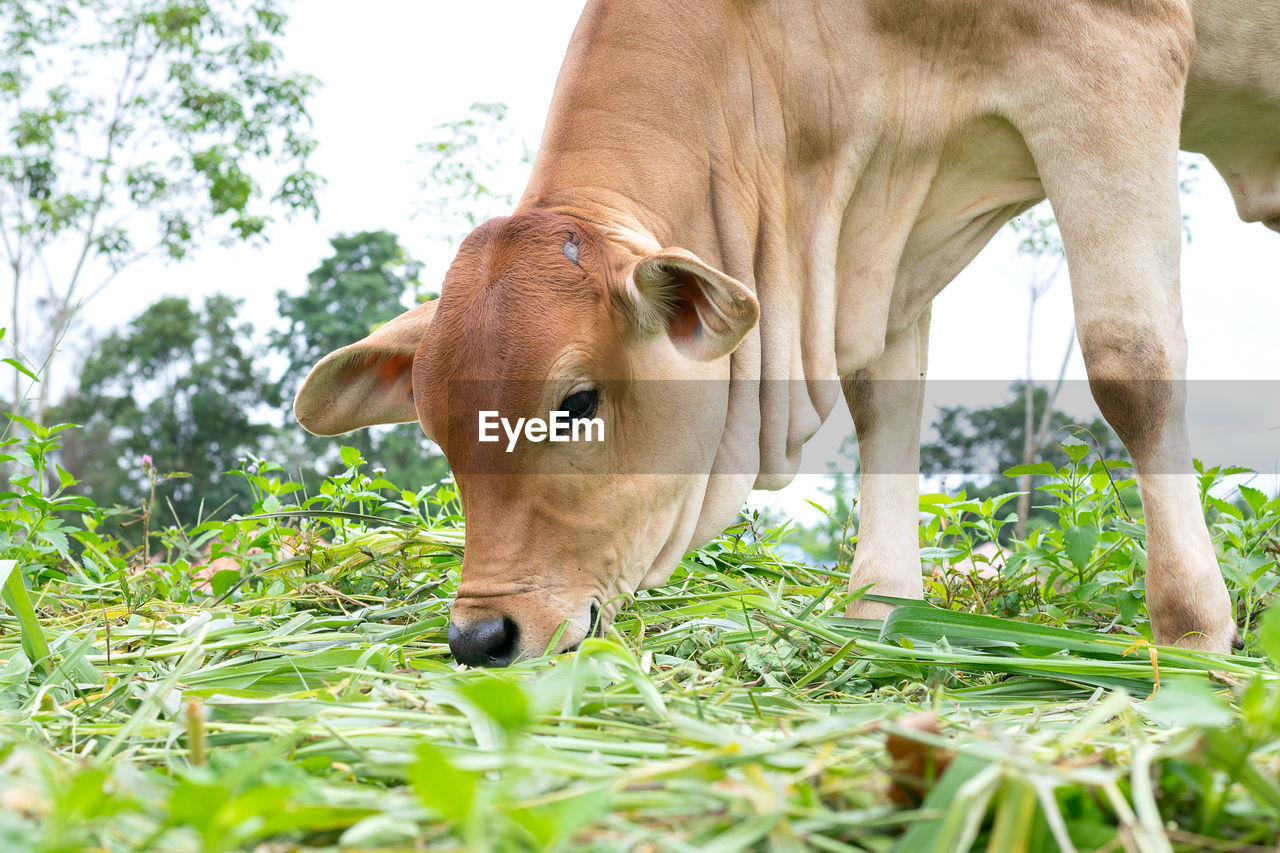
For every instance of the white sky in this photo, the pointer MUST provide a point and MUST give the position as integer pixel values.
(394, 69)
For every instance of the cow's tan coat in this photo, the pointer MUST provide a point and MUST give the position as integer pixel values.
(834, 164)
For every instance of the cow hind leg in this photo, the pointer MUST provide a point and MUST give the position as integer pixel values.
(886, 400)
(1111, 175)
(1135, 371)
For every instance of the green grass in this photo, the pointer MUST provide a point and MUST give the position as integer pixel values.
(310, 702)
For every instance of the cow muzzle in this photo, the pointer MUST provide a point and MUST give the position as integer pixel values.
(489, 642)
(490, 638)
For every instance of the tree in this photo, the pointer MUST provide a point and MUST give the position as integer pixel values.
(181, 386)
(133, 128)
(368, 279)
(365, 282)
(474, 170)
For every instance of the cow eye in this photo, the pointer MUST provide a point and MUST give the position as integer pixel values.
(581, 404)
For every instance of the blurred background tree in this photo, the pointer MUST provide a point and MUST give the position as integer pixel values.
(475, 166)
(131, 129)
(975, 445)
(183, 385)
(135, 129)
(368, 279)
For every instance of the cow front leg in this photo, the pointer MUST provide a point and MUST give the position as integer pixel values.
(886, 400)
(1110, 172)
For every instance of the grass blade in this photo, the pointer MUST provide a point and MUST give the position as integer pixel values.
(14, 591)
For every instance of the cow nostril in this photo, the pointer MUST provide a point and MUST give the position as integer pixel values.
(488, 643)
(594, 628)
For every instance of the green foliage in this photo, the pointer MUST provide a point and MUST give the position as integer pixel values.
(33, 527)
(1249, 547)
(975, 443)
(179, 385)
(303, 697)
(181, 395)
(368, 280)
(132, 129)
(14, 592)
(466, 180)
(1085, 567)
(169, 102)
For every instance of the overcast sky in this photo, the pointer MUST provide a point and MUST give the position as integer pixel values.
(392, 71)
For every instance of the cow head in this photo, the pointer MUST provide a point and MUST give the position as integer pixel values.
(541, 313)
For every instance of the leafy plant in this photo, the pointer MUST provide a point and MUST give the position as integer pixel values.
(302, 696)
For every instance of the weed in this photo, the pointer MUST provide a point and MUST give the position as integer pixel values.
(299, 694)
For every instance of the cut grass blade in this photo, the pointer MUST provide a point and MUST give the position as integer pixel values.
(732, 708)
(14, 590)
(915, 620)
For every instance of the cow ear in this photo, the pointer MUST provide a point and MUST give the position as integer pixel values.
(369, 382)
(705, 312)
